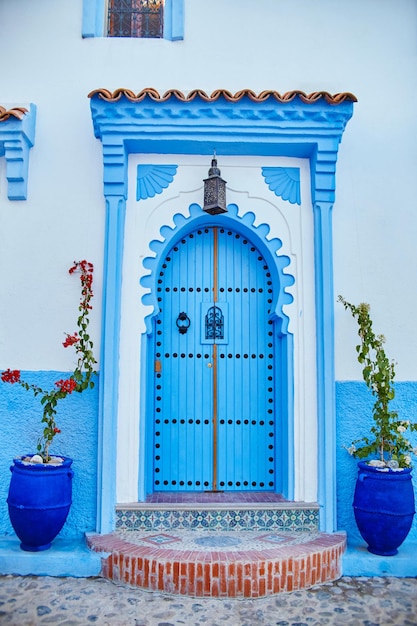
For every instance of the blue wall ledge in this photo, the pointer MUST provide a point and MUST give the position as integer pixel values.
(66, 557)
(357, 561)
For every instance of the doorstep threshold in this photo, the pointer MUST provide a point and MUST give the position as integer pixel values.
(220, 506)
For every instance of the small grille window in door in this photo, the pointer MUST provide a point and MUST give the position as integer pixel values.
(214, 323)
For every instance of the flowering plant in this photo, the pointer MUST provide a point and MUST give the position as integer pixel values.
(388, 438)
(82, 376)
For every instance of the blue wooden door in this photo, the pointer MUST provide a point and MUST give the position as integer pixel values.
(214, 367)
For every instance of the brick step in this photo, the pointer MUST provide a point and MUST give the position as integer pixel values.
(218, 516)
(201, 563)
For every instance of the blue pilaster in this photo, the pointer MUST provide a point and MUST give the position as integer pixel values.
(115, 191)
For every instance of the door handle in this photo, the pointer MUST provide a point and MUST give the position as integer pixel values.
(183, 323)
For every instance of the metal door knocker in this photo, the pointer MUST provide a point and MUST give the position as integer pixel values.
(183, 323)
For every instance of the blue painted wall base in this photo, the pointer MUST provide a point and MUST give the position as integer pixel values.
(69, 555)
(354, 418)
(357, 561)
(66, 557)
(77, 418)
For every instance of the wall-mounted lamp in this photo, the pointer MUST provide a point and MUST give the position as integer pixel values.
(214, 190)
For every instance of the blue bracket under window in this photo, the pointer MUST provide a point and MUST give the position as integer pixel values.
(17, 136)
(94, 19)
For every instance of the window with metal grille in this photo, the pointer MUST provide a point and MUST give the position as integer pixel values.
(214, 323)
(135, 18)
(95, 22)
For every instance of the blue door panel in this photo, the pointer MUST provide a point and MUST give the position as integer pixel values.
(245, 393)
(183, 416)
(226, 442)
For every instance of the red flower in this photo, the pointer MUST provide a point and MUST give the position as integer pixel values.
(57, 430)
(10, 376)
(66, 386)
(84, 266)
(70, 340)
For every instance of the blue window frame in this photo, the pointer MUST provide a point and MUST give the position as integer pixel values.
(95, 19)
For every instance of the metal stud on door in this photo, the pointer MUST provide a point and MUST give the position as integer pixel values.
(214, 392)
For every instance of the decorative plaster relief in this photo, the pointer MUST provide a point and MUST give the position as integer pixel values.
(153, 179)
(17, 136)
(293, 124)
(284, 182)
(245, 223)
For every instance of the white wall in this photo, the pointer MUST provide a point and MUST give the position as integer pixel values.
(368, 47)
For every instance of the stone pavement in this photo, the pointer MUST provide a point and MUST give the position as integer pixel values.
(33, 601)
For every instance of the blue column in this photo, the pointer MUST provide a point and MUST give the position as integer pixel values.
(115, 191)
(326, 405)
(323, 177)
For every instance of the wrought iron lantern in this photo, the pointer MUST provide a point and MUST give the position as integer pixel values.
(214, 190)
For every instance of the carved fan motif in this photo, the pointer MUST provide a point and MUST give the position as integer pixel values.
(284, 182)
(153, 179)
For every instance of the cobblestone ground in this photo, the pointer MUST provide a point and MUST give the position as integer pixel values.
(33, 601)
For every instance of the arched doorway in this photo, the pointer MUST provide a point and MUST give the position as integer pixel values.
(219, 414)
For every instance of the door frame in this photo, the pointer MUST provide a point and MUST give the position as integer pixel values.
(294, 124)
(283, 351)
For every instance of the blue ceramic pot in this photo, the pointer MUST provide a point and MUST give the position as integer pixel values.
(39, 501)
(384, 507)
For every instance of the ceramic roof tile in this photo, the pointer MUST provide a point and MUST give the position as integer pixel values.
(113, 96)
(17, 112)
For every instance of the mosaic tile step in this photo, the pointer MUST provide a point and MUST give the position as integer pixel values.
(246, 564)
(232, 541)
(242, 517)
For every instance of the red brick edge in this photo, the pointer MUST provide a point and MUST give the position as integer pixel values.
(249, 574)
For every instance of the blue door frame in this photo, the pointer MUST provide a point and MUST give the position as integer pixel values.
(293, 124)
